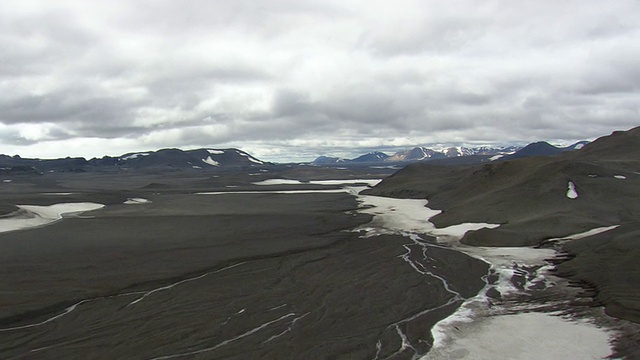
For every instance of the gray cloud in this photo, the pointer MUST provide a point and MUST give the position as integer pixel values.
(310, 77)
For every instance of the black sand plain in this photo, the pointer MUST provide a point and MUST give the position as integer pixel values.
(226, 276)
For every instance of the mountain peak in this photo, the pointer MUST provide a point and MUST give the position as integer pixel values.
(375, 156)
(540, 148)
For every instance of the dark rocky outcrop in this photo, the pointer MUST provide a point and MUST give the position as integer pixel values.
(609, 261)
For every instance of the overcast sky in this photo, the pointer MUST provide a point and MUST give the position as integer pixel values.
(295, 79)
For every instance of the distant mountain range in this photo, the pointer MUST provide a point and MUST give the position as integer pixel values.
(165, 159)
(483, 153)
(215, 159)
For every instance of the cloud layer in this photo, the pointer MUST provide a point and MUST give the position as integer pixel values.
(294, 79)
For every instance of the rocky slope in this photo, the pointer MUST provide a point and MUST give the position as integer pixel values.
(536, 199)
(608, 262)
(531, 193)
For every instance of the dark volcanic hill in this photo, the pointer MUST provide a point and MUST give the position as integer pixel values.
(190, 159)
(167, 159)
(540, 148)
(531, 200)
(543, 148)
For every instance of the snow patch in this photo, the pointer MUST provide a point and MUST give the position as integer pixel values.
(585, 234)
(396, 215)
(496, 157)
(135, 201)
(278, 182)
(404, 216)
(370, 182)
(134, 156)
(215, 152)
(571, 191)
(6, 181)
(392, 167)
(210, 161)
(251, 158)
(460, 229)
(620, 177)
(526, 336)
(35, 215)
(348, 190)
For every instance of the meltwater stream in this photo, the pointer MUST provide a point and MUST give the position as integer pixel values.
(417, 257)
(409, 218)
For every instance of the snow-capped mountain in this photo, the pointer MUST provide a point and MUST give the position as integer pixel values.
(371, 157)
(328, 160)
(420, 154)
(415, 154)
(456, 151)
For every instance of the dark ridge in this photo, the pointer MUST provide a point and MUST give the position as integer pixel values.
(541, 148)
(163, 160)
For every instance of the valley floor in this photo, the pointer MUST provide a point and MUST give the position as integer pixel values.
(200, 268)
(179, 273)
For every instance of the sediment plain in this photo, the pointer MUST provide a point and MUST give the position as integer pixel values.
(188, 275)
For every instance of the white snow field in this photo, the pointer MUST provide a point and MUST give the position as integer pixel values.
(136, 201)
(370, 182)
(35, 215)
(278, 182)
(524, 336)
